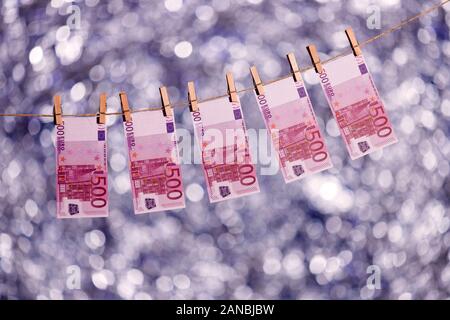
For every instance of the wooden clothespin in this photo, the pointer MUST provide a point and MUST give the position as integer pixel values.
(101, 119)
(231, 88)
(125, 107)
(57, 110)
(259, 88)
(294, 67)
(315, 59)
(192, 97)
(353, 42)
(167, 109)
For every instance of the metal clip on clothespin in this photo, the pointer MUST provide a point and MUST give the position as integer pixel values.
(231, 88)
(57, 110)
(166, 108)
(125, 107)
(294, 67)
(315, 59)
(259, 88)
(192, 97)
(101, 118)
(353, 42)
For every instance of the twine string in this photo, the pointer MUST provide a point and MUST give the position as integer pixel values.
(185, 104)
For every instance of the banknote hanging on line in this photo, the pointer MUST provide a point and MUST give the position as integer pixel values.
(153, 160)
(292, 125)
(81, 168)
(221, 134)
(355, 102)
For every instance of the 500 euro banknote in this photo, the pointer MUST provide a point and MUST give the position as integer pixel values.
(292, 124)
(222, 136)
(81, 169)
(154, 162)
(356, 105)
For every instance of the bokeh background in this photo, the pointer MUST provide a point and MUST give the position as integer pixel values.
(310, 239)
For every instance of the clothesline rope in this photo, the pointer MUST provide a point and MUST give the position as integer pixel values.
(185, 104)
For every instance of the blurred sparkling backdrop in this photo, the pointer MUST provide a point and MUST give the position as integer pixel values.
(310, 239)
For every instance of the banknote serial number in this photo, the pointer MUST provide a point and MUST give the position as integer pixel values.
(251, 310)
